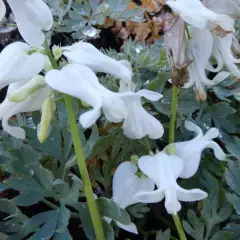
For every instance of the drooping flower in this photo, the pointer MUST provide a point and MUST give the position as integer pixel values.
(16, 64)
(190, 151)
(2, 10)
(31, 103)
(81, 82)
(32, 18)
(86, 54)
(175, 41)
(125, 185)
(222, 51)
(200, 50)
(164, 170)
(196, 14)
(138, 123)
(228, 7)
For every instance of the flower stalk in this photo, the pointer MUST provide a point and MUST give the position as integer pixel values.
(94, 213)
(95, 216)
(171, 150)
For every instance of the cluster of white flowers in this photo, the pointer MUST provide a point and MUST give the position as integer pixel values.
(212, 36)
(32, 80)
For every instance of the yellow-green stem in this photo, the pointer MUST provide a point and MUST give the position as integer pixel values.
(94, 213)
(179, 227)
(96, 219)
(171, 150)
(173, 114)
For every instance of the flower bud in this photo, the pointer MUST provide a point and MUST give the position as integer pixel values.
(20, 94)
(57, 52)
(44, 126)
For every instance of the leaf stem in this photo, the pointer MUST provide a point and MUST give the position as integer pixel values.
(171, 150)
(94, 213)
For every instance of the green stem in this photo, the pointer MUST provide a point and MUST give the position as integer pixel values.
(179, 227)
(173, 114)
(94, 213)
(95, 216)
(50, 56)
(171, 150)
(148, 146)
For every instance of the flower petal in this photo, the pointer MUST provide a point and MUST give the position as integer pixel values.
(149, 196)
(114, 108)
(194, 128)
(32, 16)
(87, 54)
(218, 152)
(126, 184)
(150, 95)
(129, 228)
(161, 166)
(32, 103)
(172, 204)
(190, 195)
(14, 56)
(139, 123)
(2, 10)
(88, 118)
(76, 80)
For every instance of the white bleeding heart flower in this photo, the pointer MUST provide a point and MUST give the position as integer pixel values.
(196, 14)
(138, 123)
(164, 170)
(222, 52)
(86, 54)
(33, 17)
(17, 65)
(190, 151)
(2, 10)
(200, 50)
(32, 103)
(228, 7)
(125, 185)
(81, 82)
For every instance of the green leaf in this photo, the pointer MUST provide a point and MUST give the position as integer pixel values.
(108, 230)
(157, 85)
(138, 210)
(84, 214)
(166, 235)
(110, 209)
(194, 227)
(61, 232)
(232, 177)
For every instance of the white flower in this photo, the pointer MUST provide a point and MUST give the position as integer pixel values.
(87, 54)
(2, 10)
(196, 14)
(32, 18)
(81, 82)
(125, 185)
(138, 123)
(32, 103)
(200, 50)
(222, 51)
(16, 64)
(228, 7)
(164, 171)
(190, 151)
